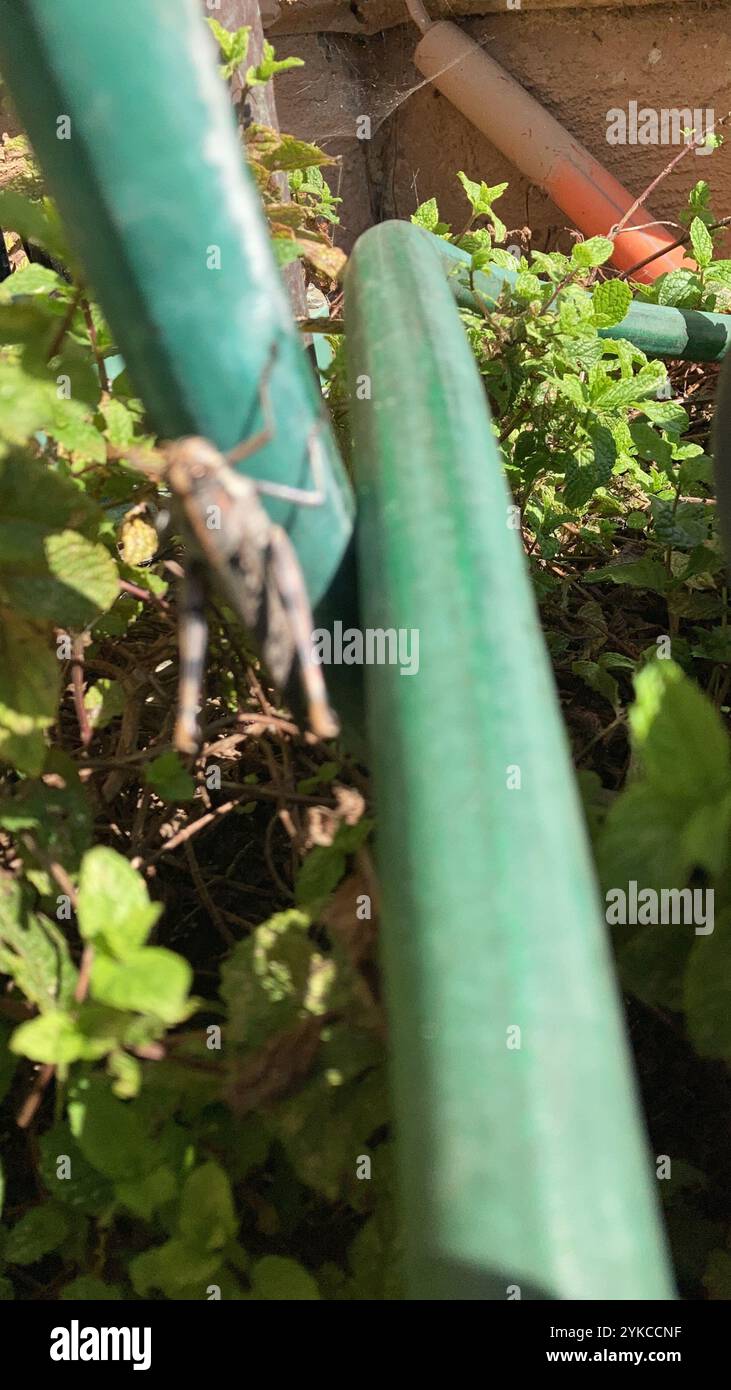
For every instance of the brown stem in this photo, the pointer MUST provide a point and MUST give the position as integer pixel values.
(692, 145)
(32, 1101)
(65, 324)
(77, 682)
(200, 884)
(144, 595)
(93, 339)
(681, 241)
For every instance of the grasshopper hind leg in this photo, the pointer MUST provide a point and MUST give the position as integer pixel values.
(293, 594)
(192, 643)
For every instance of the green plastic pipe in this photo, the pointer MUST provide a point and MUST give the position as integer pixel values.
(522, 1158)
(134, 130)
(693, 334)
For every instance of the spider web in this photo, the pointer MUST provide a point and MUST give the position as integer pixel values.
(372, 77)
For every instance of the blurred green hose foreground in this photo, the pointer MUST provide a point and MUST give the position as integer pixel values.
(522, 1158)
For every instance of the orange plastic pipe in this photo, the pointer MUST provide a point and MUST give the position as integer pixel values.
(518, 126)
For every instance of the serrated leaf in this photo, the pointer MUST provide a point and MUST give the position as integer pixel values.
(650, 445)
(33, 492)
(86, 570)
(605, 452)
(638, 574)
(30, 678)
(322, 1126)
(579, 484)
(680, 289)
(667, 414)
(113, 904)
(275, 1277)
(31, 280)
(267, 980)
(69, 1176)
(528, 286)
(149, 1192)
(614, 395)
(112, 1136)
(598, 679)
(611, 301)
(697, 469)
(679, 736)
(169, 779)
(573, 390)
(64, 579)
(269, 66)
(505, 260)
(126, 1073)
(702, 242)
(207, 1218)
(88, 1289)
(481, 196)
(285, 152)
(34, 220)
(174, 1268)
(54, 1038)
(551, 263)
(152, 980)
(684, 525)
(33, 951)
(69, 423)
(37, 1233)
(719, 273)
(25, 402)
(119, 424)
(594, 252)
(319, 874)
(56, 811)
(426, 215)
(104, 701)
(330, 260)
(233, 43)
(642, 840)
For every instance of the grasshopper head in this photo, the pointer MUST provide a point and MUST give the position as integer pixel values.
(192, 460)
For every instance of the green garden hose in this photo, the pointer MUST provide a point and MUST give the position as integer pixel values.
(523, 1164)
(693, 334)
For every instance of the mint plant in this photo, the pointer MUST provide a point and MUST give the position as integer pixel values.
(708, 286)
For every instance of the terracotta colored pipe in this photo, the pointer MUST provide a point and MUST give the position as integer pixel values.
(518, 126)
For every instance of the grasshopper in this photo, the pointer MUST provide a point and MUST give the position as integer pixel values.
(255, 566)
(231, 538)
